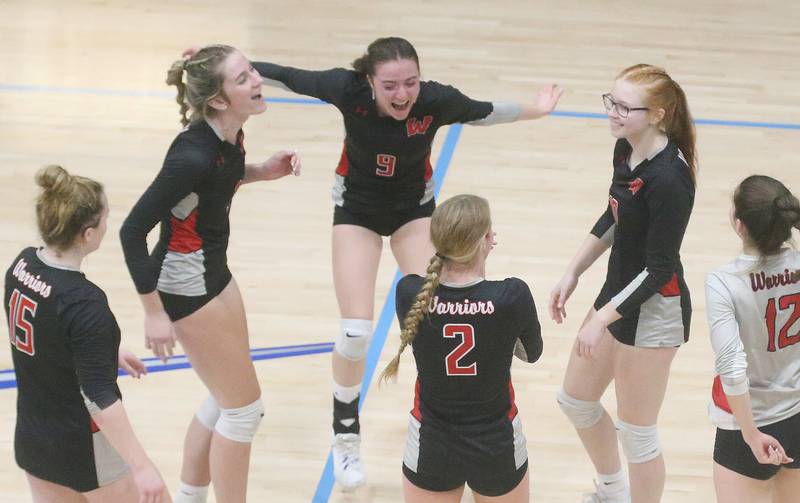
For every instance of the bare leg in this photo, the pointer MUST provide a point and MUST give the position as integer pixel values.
(412, 247)
(195, 470)
(732, 487)
(787, 485)
(215, 339)
(356, 254)
(641, 382)
(43, 491)
(587, 379)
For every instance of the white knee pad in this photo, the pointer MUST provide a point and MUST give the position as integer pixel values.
(354, 338)
(240, 424)
(582, 413)
(208, 413)
(639, 443)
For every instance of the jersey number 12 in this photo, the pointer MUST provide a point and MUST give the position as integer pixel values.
(452, 362)
(783, 339)
(19, 306)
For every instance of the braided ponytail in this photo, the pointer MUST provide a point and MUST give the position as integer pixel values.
(418, 310)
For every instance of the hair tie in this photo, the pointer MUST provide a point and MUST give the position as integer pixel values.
(441, 256)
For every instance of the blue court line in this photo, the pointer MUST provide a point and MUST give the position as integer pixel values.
(24, 88)
(8, 379)
(326, 480)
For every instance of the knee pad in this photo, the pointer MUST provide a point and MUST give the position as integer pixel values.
(240, 424)
(354, 338)
(581, 413)
(639, 443)
(208, 413)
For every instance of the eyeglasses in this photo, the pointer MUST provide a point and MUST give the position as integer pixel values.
(622, 110)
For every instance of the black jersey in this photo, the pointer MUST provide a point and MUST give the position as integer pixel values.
(191, 197)
(464, 347)
(647, 214)
(64, 344)
(385, 163)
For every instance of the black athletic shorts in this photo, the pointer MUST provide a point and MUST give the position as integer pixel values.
(383, 223)
(732, 452)
(491, 459)
(181, 306)
(81, 462)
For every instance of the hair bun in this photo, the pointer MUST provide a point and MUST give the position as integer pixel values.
(54, 179)
(789, 208)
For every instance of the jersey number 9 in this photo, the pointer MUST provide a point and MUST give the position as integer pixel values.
(386, 163)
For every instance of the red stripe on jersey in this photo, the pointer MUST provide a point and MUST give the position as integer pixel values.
(93, 426)
(719, 396)
(344, 162)
(671, 289)
(428, 167)
(184, 238)
(416, 412)
(512, 411)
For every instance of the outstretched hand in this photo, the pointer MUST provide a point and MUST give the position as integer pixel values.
(547, 98)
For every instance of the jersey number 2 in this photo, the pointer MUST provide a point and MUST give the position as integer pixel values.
(452, 361)
(18, 307)
(386, 164)
(783, 339)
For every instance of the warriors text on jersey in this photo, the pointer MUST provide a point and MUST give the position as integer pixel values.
(191, 197)
(385, 164)
(753, 309)
(646, 217)
(64, 342)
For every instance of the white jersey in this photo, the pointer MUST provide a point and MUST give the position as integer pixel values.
(753, 307)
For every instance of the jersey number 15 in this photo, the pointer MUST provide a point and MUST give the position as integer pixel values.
(19, 306)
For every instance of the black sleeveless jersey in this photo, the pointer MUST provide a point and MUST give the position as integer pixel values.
(464, 347)
(64, 344)
(191, 197)
(385, 163)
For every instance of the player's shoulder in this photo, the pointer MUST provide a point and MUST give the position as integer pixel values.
(510, 289)
(409, 283)
(432, 92)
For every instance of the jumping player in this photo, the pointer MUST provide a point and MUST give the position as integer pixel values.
(73, 438)
(185, 286)
(753, 306)
(642, 314)
(383, 187)
(464, 427)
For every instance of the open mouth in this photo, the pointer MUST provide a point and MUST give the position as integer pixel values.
(401, 107)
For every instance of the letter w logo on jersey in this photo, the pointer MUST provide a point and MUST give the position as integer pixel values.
(414, 126)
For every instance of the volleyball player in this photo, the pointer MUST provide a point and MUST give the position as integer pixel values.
(464, 329)
(185, 286)
(73, 437)
(383, 187)
(753, 306)
(641, 316)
